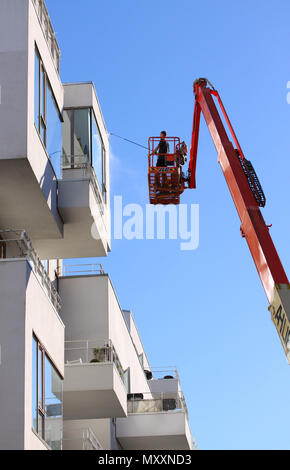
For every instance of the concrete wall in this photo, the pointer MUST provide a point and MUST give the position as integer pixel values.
(25, 308)
(13, 78)
(12, 341)
(166, 386)
(20, 30)
(85, 307)
(121, 338)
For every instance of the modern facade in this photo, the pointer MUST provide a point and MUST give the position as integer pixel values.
(73, 370)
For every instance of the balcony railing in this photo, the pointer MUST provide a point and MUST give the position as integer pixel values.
(160, 373)
(75, 162)
(48, 31)
(156, 403)
(80, 270)
(81, 167)
(16, 244)
(81, 439)
(92, 351)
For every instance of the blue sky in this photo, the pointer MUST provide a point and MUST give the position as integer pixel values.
(204, 311)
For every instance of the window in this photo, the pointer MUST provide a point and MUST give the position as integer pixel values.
(98, 156)
(46, 397)
(81, 132)
(67, 141)
(77, 133)
(81, 137)
(46, 116)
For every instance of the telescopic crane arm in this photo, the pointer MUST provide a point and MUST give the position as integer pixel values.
(248, 197)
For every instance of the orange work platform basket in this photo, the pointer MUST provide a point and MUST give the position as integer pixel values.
(165, 175)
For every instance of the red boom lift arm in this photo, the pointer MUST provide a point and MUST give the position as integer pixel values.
(248, 197)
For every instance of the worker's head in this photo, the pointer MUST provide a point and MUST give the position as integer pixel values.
(163, 134)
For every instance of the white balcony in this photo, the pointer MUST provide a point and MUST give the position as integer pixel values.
(94, 381)
(163, 380)
(155, 422)
(91, 310)
(82, 210)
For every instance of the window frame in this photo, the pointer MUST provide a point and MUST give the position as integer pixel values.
(44, 84)
(103, 183)
(40, 411)
(42, 103)
(3, 249)
(37, 124)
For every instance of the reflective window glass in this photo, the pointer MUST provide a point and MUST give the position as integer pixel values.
(53, 132)
(53, 406)
(34, 384)
(36, 90)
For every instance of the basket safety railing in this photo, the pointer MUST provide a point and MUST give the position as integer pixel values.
(153, 143)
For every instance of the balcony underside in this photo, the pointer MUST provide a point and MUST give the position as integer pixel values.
(93, 391)
(154, 431)
(156, 443)
(85, 235)
(26, 203)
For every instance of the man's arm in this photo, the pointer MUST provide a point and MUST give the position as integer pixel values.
(155, 150)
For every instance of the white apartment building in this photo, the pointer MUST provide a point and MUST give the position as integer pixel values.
(73, 370)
